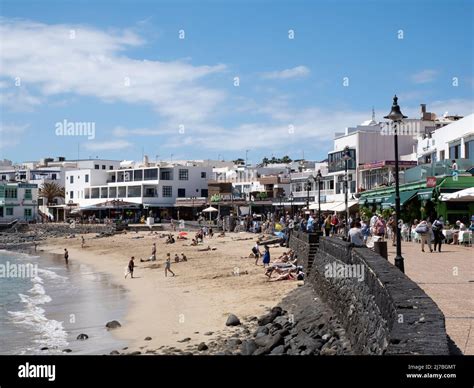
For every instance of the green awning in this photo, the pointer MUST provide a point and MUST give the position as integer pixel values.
(404, 197)
(425, 194)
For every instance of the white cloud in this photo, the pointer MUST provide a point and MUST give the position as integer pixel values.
(295, 72)
(424, 76)
(10, 134)
(94, 64)
(108, 145)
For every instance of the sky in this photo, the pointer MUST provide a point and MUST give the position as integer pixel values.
(221, 79)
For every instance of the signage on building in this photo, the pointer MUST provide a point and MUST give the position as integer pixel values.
(383, 163)
(431, 181)
(27, 185)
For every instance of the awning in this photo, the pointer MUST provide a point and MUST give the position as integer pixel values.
(425, 194)
(466, 195)
(378, 198)
(404, 197)
(341, 207)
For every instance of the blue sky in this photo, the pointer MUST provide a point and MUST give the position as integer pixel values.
(121, 66)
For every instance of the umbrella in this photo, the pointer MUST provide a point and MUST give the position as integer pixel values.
(210, 210)
(183, 234)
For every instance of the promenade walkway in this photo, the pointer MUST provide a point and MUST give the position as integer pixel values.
(448, 278)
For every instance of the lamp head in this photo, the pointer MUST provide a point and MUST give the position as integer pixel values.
(395, 114)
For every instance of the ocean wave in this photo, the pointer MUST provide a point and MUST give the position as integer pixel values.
(51, 275)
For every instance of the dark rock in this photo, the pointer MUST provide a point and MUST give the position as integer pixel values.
(67, 350)
(248, 347)
(112, 324)
(232, 320)
(280, 349)
(328, 352)
(202, 346)
(82, 337)
(44, 348)
(268, 318)
(187, 339)
(114, 352)
(261, 329)
(209, 333)
(135, 353)
(234, 342)
(147, 338)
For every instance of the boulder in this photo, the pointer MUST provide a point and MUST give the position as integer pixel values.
(82, 337)
(113, 324)
(67, 350)
(232, 320)
(269, 318)
(147, 338)
(248, 347)
(202, 346)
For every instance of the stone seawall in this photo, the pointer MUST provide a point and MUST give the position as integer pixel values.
(382, 310)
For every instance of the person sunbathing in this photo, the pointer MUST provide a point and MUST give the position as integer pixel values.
(194, 243)
(207, 249)
(181, 237)
(170, 239)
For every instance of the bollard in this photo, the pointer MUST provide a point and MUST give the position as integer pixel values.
(380, 247)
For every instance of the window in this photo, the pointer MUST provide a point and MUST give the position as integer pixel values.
(103, 167)
(183, 175)
(122, 191)
(134, 191)
(11, 192)
(137, 175)
(337, 163)
(454, 151)
(204, 193)
(112, 192)
(9, 211)
(167, 191)
(150, 192)
(53, 177)
(166, 175)
(71, 194)
(71, 179)
(181, 193)
(28, 194)
(96, 166)
(27, 212)
(151, 174)
(103, 192)
(111, 167)
(469, 150)
(203, 174)
(86, 177)
(441, 155)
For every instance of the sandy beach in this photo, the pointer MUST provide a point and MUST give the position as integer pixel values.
(206, 288)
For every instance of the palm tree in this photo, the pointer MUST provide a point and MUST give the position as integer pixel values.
(50, 191)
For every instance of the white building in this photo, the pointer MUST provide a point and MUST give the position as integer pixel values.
(18, 201)
(153, 185)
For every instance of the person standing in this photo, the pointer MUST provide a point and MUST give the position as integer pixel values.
(66, 255)
(266, 256)
(327, 225)
(355, 235)
(168, 265)
(153, 252)
(83, 242)
(256, 252)
(424, 230)
(130, 267)
(437, 227)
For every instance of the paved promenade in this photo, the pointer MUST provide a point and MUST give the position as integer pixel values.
(448, 278)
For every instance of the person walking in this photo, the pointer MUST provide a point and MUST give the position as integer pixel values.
(437, 227)
(130, 267)
(168, 266)
(83, 242)
(66, 255)
(153, 252)
(424, 230)
(256, 252)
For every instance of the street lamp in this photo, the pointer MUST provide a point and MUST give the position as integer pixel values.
(397, 116)
(346, 156)
(318, 179)
(291, 202)
(309, 182)
(193, 198)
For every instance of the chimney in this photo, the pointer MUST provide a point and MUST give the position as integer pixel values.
(423, 109)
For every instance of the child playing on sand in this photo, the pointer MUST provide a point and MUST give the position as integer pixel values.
(168, 265)
(183, 257)
(176, 258)
(256, 252)
(266, 256)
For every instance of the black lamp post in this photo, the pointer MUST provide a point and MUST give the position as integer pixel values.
(318, 180)
(291, 202)
(309, 181)
(396, 116)
(346, 156)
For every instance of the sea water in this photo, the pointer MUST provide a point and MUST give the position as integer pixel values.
(51, 306)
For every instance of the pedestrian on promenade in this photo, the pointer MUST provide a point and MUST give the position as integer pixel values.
(424, 230)
(437, 227)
